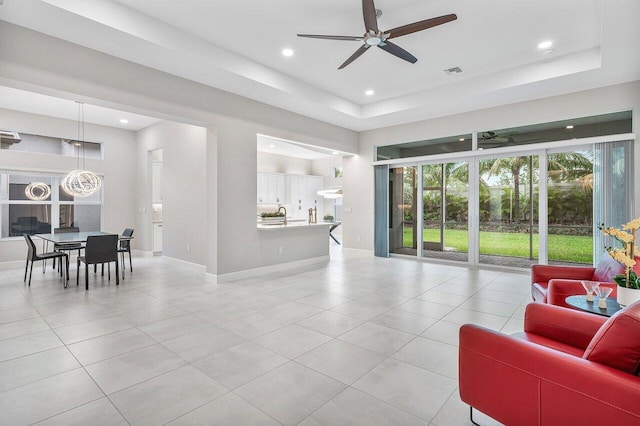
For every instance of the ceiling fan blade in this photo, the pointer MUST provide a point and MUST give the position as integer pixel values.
(421, 25)
(398, 51)
(370, 17)
(355, 56)
(332, 37)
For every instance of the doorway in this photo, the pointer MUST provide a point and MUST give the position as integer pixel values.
(156, 200)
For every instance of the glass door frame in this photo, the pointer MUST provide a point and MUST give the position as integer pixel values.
(474, 157)
(542, 195)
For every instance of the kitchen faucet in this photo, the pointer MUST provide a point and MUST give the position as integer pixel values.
(285, 213)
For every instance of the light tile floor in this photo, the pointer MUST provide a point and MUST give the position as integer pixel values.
(358, 340)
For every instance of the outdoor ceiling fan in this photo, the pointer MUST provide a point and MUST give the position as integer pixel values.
(374, 37)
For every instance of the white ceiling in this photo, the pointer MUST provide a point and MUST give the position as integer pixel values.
(277, 146)
(35, 103)
(235, 46)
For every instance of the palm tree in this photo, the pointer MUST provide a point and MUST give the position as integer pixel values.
(513, 166)
(562, 167)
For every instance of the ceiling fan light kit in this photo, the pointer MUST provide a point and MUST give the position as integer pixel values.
(374, 37)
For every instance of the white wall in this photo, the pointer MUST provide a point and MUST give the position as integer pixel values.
(273, 163)
(240, 245)
(358, 172)
(184, 189)
(118, 168)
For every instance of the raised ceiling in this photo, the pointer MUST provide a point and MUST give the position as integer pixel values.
(236, 46)
(50, 106)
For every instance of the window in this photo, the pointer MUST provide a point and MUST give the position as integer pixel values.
(18, 141)
(458, 143)
(20, 214)
(525, 202)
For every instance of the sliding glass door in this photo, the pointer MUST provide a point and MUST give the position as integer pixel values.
(445, 209)
(511, 210)
(508, 231)
(403, 210)
(570, 207)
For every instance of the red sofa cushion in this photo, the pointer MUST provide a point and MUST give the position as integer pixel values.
(617, 343)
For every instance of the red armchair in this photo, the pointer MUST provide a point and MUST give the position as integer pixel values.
(567, 367)
(552, 284)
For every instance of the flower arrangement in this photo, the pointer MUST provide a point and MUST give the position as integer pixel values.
(625, 254)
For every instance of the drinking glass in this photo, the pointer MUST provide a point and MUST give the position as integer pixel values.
(590, 287)
(603, 293)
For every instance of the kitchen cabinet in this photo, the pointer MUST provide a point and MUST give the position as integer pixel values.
(271, 188)
(302, 194)
(157, 237)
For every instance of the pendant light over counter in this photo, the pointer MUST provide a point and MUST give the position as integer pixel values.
(81, 182)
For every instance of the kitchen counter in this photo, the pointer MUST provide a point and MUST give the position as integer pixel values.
(292, 224)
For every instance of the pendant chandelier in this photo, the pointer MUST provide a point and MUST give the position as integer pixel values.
(37, 191)
(331, 193)
(81, 182)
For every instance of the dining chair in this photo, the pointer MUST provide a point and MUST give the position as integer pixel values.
(125, 247)
(67, 246)
(99, 249)
(33, 256)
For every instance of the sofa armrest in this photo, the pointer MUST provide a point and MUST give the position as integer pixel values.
(541, 385)
(575, 328)
(544, 273)
(559, 289)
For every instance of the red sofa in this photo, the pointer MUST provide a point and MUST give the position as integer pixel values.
(567, 368)
(552, 284)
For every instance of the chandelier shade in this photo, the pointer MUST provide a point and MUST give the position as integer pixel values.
(37, 191)
(81, 183)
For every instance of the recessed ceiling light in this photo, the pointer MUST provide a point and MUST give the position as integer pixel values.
(335, 153)
(461, 139)
(570, 126)
(124, 120)
(545, 44)
(369, 92)
(272, 146)
(287, 52)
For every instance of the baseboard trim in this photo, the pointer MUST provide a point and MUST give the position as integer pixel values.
(263, 270)
(179, 262)
(12, 264)
(141, 253)
(357, 250)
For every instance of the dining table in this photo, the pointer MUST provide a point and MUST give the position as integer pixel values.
(73, 237)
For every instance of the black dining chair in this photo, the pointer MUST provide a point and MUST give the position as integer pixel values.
(67, 246)
(33, 256)
(99, 249)
(125, 247)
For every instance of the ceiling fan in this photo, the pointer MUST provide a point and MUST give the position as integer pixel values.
(374, 37)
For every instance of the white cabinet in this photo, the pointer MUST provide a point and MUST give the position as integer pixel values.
(271, 188)
(302, 194)
(156, 182)
(157, 237)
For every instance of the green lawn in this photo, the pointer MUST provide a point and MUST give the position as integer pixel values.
(561, 247)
